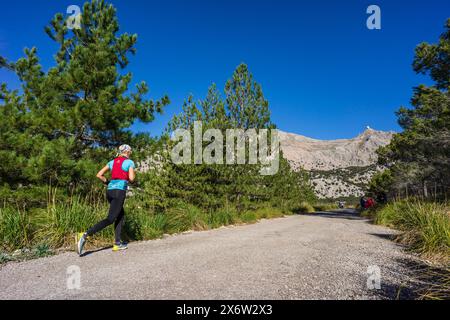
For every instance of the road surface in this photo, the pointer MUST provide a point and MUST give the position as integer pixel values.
(322, 256)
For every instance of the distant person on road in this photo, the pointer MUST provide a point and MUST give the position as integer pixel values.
(362, 203)
(370, 203)
(122, 172)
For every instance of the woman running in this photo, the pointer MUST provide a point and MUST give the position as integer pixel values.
(122, 172)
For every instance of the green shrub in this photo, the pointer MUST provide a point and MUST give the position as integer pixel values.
(42, 250)
(223, 217)
(269, 213)
(183, 217)
(55, 224)
(58, 224)
(144, 225)
(426, 225)
(15, 229)
(26, 197)
(325, 207)
(249, 217)
(4, 258)
(305, 207)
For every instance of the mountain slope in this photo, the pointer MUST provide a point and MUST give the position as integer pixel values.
(339, 168)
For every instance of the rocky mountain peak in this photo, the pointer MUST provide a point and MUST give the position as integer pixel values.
(340, 167)
(313, 154)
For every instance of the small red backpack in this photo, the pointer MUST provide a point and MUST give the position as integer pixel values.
(117, 172)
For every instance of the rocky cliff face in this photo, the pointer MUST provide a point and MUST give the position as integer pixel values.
(339, 168)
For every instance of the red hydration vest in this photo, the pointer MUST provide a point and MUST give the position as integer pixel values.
(117, 172)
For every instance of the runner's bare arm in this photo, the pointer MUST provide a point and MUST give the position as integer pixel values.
(101, 174)
(131, 174)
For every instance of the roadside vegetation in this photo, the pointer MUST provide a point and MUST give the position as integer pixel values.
(424, 226)
(325, 206)
(425, 230)
(40, 231)
(414, 189)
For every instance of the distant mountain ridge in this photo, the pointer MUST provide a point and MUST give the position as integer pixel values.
(339, 168)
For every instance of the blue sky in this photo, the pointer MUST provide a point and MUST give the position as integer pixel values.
(324, 73)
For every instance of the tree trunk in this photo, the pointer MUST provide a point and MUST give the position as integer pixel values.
(425, 190)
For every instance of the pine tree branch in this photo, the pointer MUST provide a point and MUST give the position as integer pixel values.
(5, 64)
(78, 136)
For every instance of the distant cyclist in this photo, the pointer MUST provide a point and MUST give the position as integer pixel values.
(122, 172)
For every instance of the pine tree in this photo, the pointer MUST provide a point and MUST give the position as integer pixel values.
(245, 101)
(418, 157)
(65, 120)
(212, 186)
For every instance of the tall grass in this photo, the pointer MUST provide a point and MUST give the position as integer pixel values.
(425, 229)
(59, 222)
(425, 225)
(15, 229)
(305, 207)
(183, 217)
(325, 206)
(144, 225)
(55, 224)
(270, 213)
(436, 283)
(223, 217)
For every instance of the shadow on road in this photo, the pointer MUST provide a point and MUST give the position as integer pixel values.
(425, 282)
(87, 253)
(386, 236)
(391, 291)
(337, 214)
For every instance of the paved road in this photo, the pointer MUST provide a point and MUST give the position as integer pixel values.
(325, 256)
